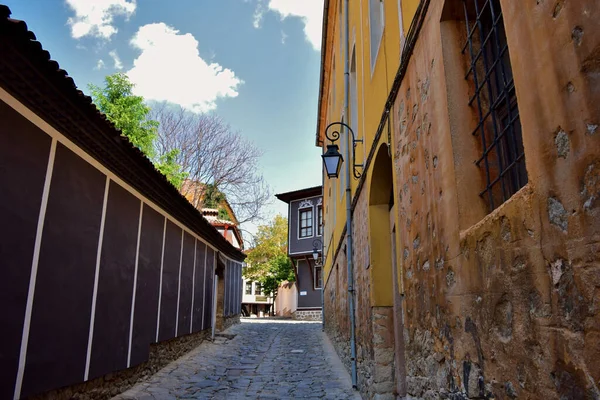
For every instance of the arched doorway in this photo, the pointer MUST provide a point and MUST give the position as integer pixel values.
(384, 272)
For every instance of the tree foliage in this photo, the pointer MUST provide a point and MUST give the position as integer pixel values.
(132, 117)
(268, 262)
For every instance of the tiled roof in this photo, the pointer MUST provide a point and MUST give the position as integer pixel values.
(29, 74)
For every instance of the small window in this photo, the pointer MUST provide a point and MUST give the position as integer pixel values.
(306, 223)
(248, 287)
(318, 277)
(320, 221)
(257, 289)
(376, 19)
(502, 157)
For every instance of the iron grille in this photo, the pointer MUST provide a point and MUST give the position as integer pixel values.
(502, 156)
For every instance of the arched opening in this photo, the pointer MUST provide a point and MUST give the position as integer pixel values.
(384, 274)
(380, 202)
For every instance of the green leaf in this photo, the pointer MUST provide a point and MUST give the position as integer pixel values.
(268, 262)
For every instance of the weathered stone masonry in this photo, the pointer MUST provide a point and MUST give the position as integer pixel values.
(504, 304)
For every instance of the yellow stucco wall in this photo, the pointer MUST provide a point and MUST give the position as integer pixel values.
(372, 86)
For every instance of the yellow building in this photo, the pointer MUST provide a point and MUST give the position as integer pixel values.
(461, 232)
(362, 40)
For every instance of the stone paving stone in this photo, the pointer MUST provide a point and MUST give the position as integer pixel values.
(264, 359)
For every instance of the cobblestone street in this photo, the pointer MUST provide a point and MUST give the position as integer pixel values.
(266, 359)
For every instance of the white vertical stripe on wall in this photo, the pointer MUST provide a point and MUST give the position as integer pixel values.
(60, 138)
(193, 285)
(179, 284)
(225, 272)
(135, 274)
(34, 268)
(204, 287)
(235, 289)
(96, 275)
(213, 296)
(162, 263)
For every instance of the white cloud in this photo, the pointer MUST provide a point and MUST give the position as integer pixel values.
(100, 64)
(284, 36)
(309, 11)
(95, 17)
(259, 12)
(170, 68)
(117, 61)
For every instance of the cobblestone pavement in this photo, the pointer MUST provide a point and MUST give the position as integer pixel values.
(267, 359)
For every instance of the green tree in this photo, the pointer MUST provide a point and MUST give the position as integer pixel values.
(268, 262)
(168, 166)
(131, 116)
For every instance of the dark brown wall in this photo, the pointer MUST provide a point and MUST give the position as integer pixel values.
(208, 287)
(233, 288)
(199, 278)
(115, 283)
(170, 286)
(18, 224)
(187, 279)
(61, 315)
(146, 301)
(60, 319)
(305, 283)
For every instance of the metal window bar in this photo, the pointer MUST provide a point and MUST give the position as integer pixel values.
(495, 100)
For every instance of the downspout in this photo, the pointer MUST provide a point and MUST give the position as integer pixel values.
(349, 161)
(323, 249)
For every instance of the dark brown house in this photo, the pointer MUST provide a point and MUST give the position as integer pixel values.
(100, 255)
(305, 232)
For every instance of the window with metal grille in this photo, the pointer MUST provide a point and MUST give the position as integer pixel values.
(248, 287)
(306, 223)
(502, 159)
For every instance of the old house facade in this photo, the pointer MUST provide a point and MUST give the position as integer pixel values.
(305, 234)
(475, 219)
(108, 271)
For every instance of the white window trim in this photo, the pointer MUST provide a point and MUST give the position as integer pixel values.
(315, 287)
(319, 225)
(373, 61)
(312, 210)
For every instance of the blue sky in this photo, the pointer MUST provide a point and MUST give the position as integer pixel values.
(255, 63)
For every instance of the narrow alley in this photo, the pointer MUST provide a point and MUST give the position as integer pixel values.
(256, 359)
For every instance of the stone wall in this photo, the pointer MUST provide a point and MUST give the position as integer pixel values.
(503, 304)
(110, 385)
(500, 304)
(229, 321)
(308, 315)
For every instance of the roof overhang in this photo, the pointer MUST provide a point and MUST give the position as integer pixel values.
(300, 194)
(325, 59)
(38, 82)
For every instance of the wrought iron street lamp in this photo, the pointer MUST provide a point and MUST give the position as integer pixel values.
(316, 249)
(332, 158)
(333, 161)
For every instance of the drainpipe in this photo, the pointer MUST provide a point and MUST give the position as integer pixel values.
(349, 161)
(323, 249)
